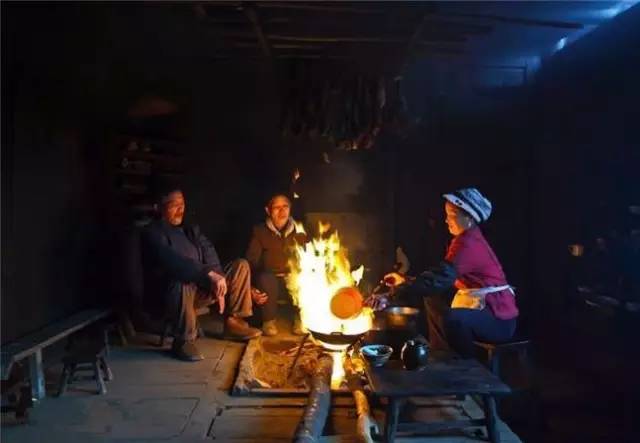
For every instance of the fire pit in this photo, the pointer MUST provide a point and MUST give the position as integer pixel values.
(324, 289)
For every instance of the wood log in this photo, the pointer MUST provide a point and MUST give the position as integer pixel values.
(366, 424)
(315, 413)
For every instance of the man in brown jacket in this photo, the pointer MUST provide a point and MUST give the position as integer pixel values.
(268, 255)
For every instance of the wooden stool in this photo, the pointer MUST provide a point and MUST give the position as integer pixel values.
(86, 358)
(495, 351)
(521, 346)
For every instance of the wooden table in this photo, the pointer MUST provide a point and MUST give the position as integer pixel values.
(443, 376)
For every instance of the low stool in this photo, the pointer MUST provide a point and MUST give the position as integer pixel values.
(522, 347)
(86, 358)
(496, 351)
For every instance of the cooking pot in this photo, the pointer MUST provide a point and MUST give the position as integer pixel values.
(400, 317)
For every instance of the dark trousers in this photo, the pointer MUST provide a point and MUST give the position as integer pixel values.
(458, 328)
(275, 288)
(188, 298)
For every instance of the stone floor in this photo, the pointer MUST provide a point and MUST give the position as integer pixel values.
(155, 398)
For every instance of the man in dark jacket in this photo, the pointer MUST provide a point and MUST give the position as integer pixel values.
(268, 254)
(182, 267)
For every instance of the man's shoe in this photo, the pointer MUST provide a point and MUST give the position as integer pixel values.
(186, 351)
(269, 328)
(236, 328)
(298, 329)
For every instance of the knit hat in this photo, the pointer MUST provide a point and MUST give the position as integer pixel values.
(471, 201)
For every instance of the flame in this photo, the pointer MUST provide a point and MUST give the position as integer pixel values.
(295, 195)
(318, 269)
(323, 228)
(296, 175)
(337, 372)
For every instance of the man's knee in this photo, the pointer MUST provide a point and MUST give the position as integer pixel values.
(240, 266)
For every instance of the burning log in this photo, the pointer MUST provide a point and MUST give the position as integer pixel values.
(315, 414)
(366, 423)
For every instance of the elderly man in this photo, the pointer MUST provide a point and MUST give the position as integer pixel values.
(268, 254)
(183, 269)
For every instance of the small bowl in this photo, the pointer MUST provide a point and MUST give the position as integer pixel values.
(376, 355)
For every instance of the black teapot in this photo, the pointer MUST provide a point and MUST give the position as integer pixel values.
(414, 354)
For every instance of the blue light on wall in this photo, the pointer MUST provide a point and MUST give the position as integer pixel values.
(616, 9)
(561, 43)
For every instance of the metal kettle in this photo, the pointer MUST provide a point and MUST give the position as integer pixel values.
(414, 354)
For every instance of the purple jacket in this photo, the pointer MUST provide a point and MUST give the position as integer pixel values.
(477, 266)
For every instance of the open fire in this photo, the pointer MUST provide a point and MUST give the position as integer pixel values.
(319, 269)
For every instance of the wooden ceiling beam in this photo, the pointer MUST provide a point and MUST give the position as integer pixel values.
(518, 20)
(321, 8)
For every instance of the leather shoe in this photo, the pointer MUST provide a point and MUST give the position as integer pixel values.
(236, 328)
(186, 350)
(298, 328)
(270, 328)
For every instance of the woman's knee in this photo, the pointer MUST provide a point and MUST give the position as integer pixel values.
(266, 280)
(456, 319)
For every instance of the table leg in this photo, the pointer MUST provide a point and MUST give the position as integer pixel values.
(36, 374)
(391, 420)
(491, 418)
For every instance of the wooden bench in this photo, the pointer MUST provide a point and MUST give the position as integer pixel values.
(31, 346)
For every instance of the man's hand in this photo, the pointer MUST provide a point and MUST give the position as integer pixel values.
(258, 296)
(393, 279)
(219, 284)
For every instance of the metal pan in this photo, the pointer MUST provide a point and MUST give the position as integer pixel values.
(336, 338)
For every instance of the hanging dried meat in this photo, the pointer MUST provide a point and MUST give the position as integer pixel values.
(348, 110)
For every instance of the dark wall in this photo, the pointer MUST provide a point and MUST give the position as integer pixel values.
(586, 157)
(51, 147)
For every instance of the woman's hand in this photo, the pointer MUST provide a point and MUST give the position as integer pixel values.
(258, 296)
(378, 302)
(393, 279)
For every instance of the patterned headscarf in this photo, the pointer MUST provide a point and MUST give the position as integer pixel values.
(472, 201)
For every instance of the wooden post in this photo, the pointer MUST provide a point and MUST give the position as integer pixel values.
(36, 374)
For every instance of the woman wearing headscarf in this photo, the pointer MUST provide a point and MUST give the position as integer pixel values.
(484, 306)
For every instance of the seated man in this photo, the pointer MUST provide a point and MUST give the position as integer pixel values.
(268, 255)
(183, 269)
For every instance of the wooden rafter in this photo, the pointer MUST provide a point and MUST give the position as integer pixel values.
(519, 20)
(321, 7)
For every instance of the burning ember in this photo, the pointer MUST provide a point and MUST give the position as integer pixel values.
(319, 270)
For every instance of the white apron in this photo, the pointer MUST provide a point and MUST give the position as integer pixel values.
(474, 298)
